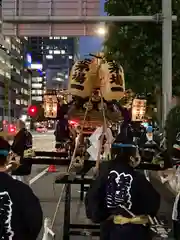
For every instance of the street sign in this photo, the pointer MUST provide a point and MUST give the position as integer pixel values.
(50, 9)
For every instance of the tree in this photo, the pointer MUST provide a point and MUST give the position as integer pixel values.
(138, 46)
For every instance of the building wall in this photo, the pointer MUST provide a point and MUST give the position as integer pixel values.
(14, 93)
(37, 87)
(35, 49)
(59, 54)
(20, 97)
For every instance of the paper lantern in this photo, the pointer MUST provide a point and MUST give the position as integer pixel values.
(112, 81)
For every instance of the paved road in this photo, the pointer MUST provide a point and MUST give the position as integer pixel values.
(45, 188)
(48, 192)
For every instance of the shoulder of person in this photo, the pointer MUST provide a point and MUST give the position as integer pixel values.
(23, 188)
(140, 176)
(105, 167)
(29, 133)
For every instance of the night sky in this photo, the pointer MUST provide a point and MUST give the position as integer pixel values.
(91, 44)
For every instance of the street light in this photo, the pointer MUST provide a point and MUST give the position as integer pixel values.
(101, 31)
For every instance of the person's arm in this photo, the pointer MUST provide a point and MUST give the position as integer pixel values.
(31, 212)
(95, 204)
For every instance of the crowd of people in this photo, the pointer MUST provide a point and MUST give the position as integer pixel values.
(120, 198)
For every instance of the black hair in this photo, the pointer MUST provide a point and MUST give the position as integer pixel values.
(124, 148)
(125, 153)
(4, 151)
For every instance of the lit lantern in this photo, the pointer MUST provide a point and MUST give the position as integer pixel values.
(50, 106)
(112, 81)
(138, 110)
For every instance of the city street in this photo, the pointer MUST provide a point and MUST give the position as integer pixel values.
(48, 192)
(100, 62)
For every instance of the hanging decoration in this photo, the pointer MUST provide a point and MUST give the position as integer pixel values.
(138, 110)
(89, 75)
(50, 105)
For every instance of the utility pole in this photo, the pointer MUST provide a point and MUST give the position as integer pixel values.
(30, 98)
(166, 58)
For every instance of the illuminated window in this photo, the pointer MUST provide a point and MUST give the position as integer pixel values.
(18, 50)
(63, 51)
(70, 57)
(18, 102)
(37, 79)
(36, 85)
(8, 64)
(8, 75)
(64, 38)
(50, 51)
(25, 91)
(49, 57)
(18, 71)
(2, 59)
(37, 92)
(59, 79)
(8, 40)
(37, 98)
(57, 52)
(36, 66)
(1, 72)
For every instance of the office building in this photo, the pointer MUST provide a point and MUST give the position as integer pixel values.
(19, 77)
(14, 86)
(37, 83)
(6, 88)
(35, 48)
(56, 54)
(58, 57)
